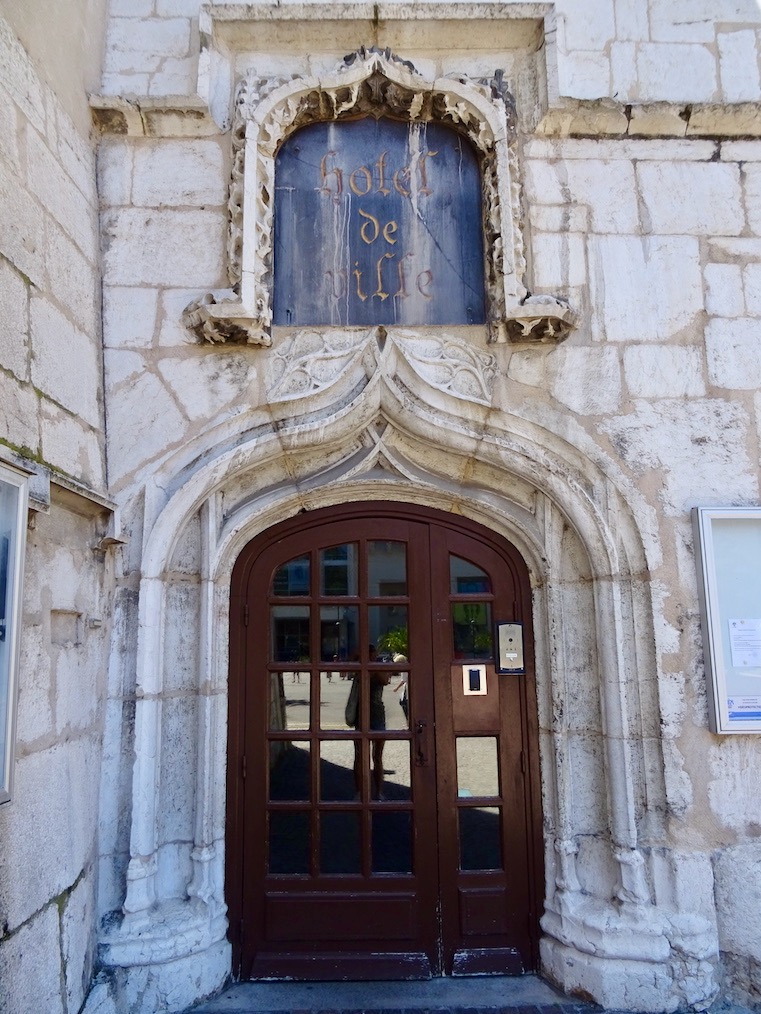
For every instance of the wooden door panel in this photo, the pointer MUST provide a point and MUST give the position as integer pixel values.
(315, 919)
(467, 901)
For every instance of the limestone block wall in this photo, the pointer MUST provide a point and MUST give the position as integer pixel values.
(52, 418)
(642, 51)
(665, 367)
(656, 243)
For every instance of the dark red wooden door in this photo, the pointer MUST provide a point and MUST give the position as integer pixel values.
(382, 808)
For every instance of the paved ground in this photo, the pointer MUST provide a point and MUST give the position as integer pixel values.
(493, 995)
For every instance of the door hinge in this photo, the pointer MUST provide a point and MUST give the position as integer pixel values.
(243, 769)
(245, 614)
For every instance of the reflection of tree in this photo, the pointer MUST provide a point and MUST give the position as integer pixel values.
(394, 642)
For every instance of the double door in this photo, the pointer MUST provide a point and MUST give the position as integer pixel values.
(383, 819)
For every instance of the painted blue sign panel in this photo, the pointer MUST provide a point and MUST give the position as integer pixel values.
(378, 222)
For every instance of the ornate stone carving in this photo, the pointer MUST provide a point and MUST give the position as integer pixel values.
(376, 83)
(311, 361)
(224, 322)
(538, 320)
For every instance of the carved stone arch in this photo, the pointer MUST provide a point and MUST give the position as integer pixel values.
(579, 538)
(375, 83)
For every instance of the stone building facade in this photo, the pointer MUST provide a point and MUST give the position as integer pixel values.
(165, 423)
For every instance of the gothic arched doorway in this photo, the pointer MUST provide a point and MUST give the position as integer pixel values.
(383, 803)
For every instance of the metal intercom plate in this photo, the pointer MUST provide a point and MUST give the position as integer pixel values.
(510, 658)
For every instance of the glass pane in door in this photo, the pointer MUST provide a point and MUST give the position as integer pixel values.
(386, 569)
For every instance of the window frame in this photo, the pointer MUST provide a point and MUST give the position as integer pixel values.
(14, 578)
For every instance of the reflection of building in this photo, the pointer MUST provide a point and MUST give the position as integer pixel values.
(603, 384)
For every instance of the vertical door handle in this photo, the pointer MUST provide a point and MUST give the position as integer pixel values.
(421, 743)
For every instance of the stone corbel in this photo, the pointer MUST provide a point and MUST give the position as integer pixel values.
(537, 320)
(225, 322)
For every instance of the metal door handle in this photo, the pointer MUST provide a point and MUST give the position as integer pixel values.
(421, 743)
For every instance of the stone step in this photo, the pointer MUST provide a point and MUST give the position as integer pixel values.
(477, 995)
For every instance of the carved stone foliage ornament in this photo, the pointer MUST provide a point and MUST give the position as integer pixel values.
(312, 361)
(373, 83)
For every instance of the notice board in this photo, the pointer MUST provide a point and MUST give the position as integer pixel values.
(728, 556)
(378, 222)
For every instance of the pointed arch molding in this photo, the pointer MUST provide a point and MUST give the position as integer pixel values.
(574, 528)
(371, 82)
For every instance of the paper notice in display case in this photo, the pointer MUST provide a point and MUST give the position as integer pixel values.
(745, 643)
(728, 556)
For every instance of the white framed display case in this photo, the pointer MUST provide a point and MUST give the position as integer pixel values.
(13, 514)
(728, 559)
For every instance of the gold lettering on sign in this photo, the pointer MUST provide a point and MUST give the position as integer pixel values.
(383, 180)
(371, 223)
(358, 275)
(378, 270)
(361, 171)
(326, 173)
(381, 164)
(424, 280)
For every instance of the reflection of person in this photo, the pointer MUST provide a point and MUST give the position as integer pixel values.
(378, 682)
(402, 686)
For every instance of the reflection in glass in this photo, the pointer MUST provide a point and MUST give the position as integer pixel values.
(292, 578)
(465, 578)
(396, 770)
(290, 633)
(477, 770)
(337, 778)
(386, 568)
(472, 630)
(289, 700)
(392, 842)
(338, 570)
(480, 838)
(289, 771)
(387, 626)
(398, 704)
(335, 688)
(339, 633)
(289, 843)
(339, 843)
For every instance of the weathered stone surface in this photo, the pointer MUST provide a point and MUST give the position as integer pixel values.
(724, 290)
(644, 288)
(129, 316)
(149, 421)
(65, 364)
(732, 351)
(676, 432)
(161, 247)
(30, 967)
(715, 207)
(664, 372)
(676, 72)
(198, 166)
(587, 380)
(738, 65)
(737, 870)
(210, 383)
(63, 834)
(78, 942)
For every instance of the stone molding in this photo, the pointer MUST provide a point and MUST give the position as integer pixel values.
(189, 116)
(362, 433)
(375, 83)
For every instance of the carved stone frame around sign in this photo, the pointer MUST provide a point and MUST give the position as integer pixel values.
(374, 83)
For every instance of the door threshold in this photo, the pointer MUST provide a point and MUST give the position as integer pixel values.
(527, 994)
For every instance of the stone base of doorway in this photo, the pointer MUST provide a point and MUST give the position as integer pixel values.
(526, 994)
